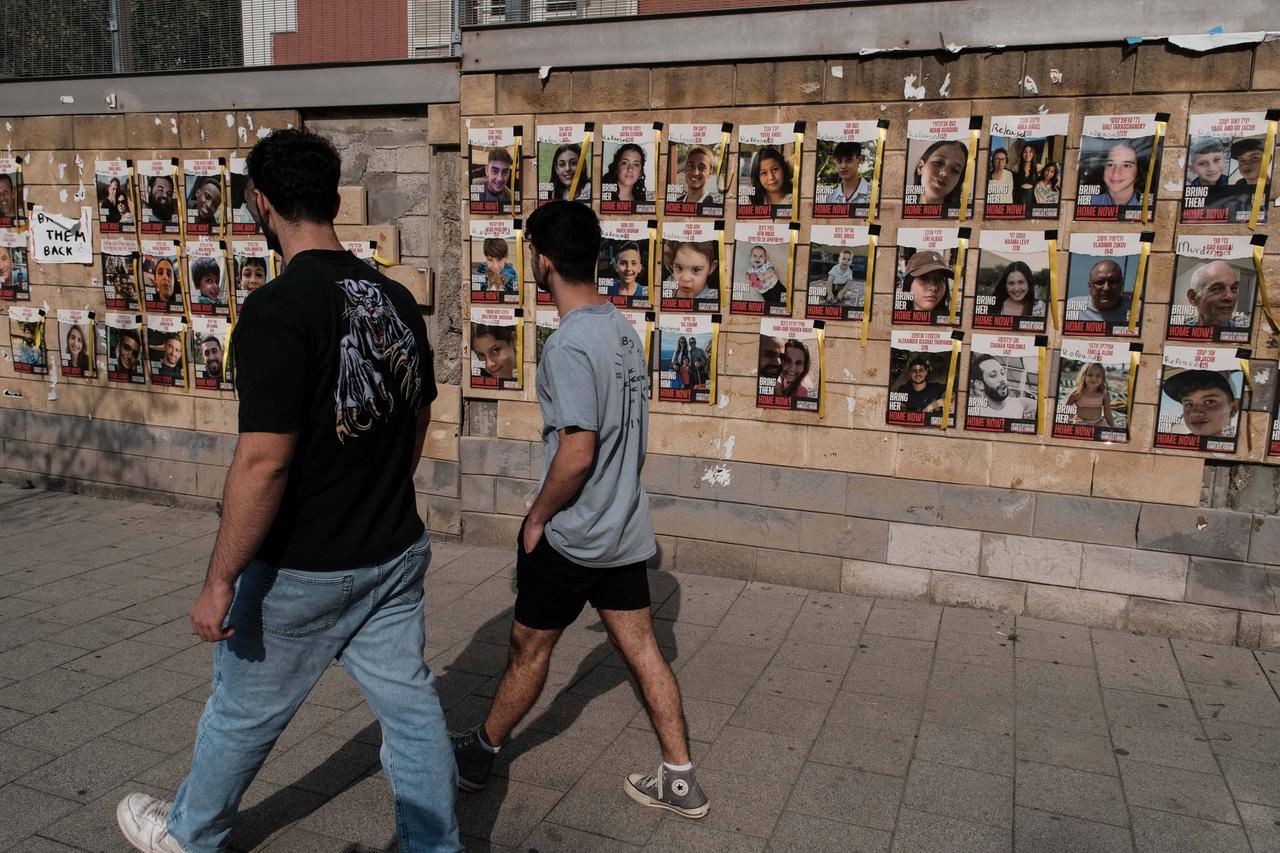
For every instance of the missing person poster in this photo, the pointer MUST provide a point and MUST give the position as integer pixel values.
(161, 279)
(763, 258)
(1225, 154)
(253, 264)
(1015, 284)
(697, 169)
(77, 343)
(210, 350)
(26, 338)
(13, 210)
(687, 358)
(113, 180)
(1119, 173)
(205, 197)
(242, 221)
(1215, 288)
(1024, 168)
(159, 197)
(493, 169)
(1273, 445)
(210, 289)
(841, 268)
(495, 261)
(120, 273)
(1200, 395)
(849, 159)
(692, 266)
(167, 350)
(629, 155)
(769, 170)
(789, 369)
(1095, 390)
(642, 322)
(545, 322)
(923, 364)
(1105, 280)
(929, 276)
(940, 166)
(124, 348)
(15, 275)
(365, 250)
(1004, 383)
(496, 352)
(564, 162)
(625, 269)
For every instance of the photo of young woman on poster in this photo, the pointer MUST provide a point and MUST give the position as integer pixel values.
(1013, 286)
(629, 155)
(936, 178)
(1119, 167)
(625, 174)
(925, 277)
(161, 278)
(75, 351)
(999, 178)
(564, 162)
(1025, 150)
(788, 371)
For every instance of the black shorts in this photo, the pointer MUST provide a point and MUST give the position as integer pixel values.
(551, 589)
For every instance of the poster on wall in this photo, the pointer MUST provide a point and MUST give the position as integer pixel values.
(1106, 276)
(789, 368)
(493, 169)
(924, 366)
(545, 322)
(15, 275)
(763, 258)
(13, 210)
(1015, 280)
(1215, 288)
(1200, 396)
(849, 158)
(161, 281)
(1024, 168)
(496, 261)
(210, 340)
(205, 196)
(210, 288)
(124, 348)
(26, 339)
(687, 357)
(365, 250)
(564, 162)
(692, 266)
(242, 221)
(496, 347)
(120, 273)
(1273, 444)
(167, 350)
(841, 271)
(1095, 390)
(159, 197)
(253, 264)
(1005, 373)
(769, 170)
(57, 239)
(77, 343)
(629, 157)
(697, 169)
(113, 181)
(940, 167)
(1226, 155)
(929, 276)
(624, 272)
(1119, 172)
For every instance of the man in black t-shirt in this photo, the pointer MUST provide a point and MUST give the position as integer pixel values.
(320, 554)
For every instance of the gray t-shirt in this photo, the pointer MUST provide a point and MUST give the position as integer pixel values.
(593, 376)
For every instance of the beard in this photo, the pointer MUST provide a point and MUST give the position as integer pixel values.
(164, 210)
(273, 240)
(540, 280)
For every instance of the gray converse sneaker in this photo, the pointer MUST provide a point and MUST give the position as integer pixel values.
(677, 792)
(474, 760)
(144, 820)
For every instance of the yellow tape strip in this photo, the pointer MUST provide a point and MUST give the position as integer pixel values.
(951, 383)
(1265, 297)
(795, 181)
(720, 268)
(1042, 388)
(957, 280)
(791, 263)
(1242, 416)
(584, 157)
(1260, 193)
(520, 352)
(1146, 190)
(1135, 358)
(711, 365)
(968, 174)
(514, 180)
(1135, 308)
(520, 263)
(653, 261)
(720, 159)
(875, 177)
(822, 374)
(226, 350)
(872, 239)
(1053, 282)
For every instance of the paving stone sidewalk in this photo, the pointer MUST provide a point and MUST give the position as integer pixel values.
(819, 721)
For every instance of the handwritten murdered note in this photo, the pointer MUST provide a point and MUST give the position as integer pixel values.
(60, 239)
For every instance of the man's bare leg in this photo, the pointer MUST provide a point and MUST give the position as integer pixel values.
(632, 632)
(528, 660)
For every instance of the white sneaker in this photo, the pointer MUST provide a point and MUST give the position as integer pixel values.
(144, 820)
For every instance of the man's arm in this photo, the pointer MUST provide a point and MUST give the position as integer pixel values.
(420, 437)
(250, 499)
(568, 471)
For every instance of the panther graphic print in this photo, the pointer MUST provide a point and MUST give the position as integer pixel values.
(377, 361)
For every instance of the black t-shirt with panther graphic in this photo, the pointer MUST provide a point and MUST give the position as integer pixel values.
(337, 352)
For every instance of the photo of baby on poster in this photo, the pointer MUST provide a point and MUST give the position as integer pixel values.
(1225, 153)
(1004, 384)
(629, 157)
(564, 162)
(692, 266)
(207, 276)
(254, 264)
(15, 278)
(625, 269)
(849, 158)
(1119, 167)
(26, 337)
(1095, 387)
(493, 170)
(1015, 284)
(161, 278)
(769, 170)
(1024, 168)
(13, 212)
(205, 197)
(939, 176)
(929, 276)
(496, 351)
(210, 350)
(687, 358)
(763, 257)
(76, 342)
(495, 261)
(1200, 399)
(920, 362)
(124, 348)
(159, 196)
(841, 263)
(1215, 288)
(789, 371)
(1106, 277)
(113, 182)
(167, 350)
(697, 169)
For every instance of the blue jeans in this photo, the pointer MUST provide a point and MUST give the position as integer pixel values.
(289, 624)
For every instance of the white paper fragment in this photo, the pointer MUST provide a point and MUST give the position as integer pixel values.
(202, 134)
(79, 164)
(851, 405)
(248, 119)
(80, 194)
(1043, 110)
(837, 71)
(867, 51)
(1202, 42)
(1029, 86)
(544, 72)
(723, 402)
(884, 107)
(810, 88)
(62, 171)
(8, 128)
(728, 446)
(231, 120)
(62, 196)
(945, 89)
(263, 132)
(243, 133)
(719, 475)
(952, 47)
(173, 126)
(67, 99)
(1055, 76)
(157, 121)
(910, 90)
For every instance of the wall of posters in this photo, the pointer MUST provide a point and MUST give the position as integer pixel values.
(242, 221)
(1215, 288)
(1095, 389)
(77, 343)
(124, 348)
(920, 364)
(929, 276)
(167, 350)
(496, 262)
(1200, 391)
(841, 270)
(161, 277)
(210, 288)
(769, 170)
(697, 169)
(205, 197)
(120, 273)
(1224, 164)
(763, 257)
(849, 156)
(159, 197)
(15, 276)
(210, 341)
(939, 174)
(629, 165)
(687, 357)
(1014, 290)
(564, 162)
(1118, 176)
(1004, 384)
(625, 269)
(789, 371)
(26, 339)
(493, 170)
(253, 265)
(113, 181)
(13, 211)
(496, 347)
(1105, 280)
(692, 266)
(1024, 168)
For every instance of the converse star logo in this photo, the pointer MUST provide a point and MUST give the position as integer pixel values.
(680, 787)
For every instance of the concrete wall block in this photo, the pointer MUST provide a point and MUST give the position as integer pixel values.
(683, 517)
(1202, 532)
(699, 557)
(941, 548)
(441, 515)
(524, 92)
(661, 473)
(1258, 631)
(841, 536)
(1221, 583)
(681, 87)
(1043, 468)
(885, 580)
(944, 458)
(1266, 65)
(1081, 519)
(878, 79)
(104, 131)
(995, 74)
(972, 591)
(481, 528)
(1080, 606)
(206, 448)
(779, 82)
(1134, 572)
(13, 424)
(891, 499)
(1085, 70)
(437, 477)
(478, 94)
(748, 524)
(1264, 543)
(1030, 559)
(800, 488)
(809, 571)
(610, 89)
(477, 493)
(494, 456)
(1138, 476)
(1165, 68)
(984, 508)
(40, 133)
(1183, 621)
(442, 124)
(512, 497)
(709, 479)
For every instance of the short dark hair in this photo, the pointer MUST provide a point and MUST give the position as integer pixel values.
(847, 149)
(298, 171)
(204, 267)
(495, 247)
(568, 234)
(253, 261)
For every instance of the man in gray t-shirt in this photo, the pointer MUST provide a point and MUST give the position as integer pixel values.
(588, 533)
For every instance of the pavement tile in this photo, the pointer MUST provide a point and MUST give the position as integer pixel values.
(1078, 750)
(1161, 832)
(827, 617)
(66, 727)
(905, 619)
(701, 837)
(549, 761)
(745, 805)
(822, 658)
(18, 761)
(1143, 664)
(703, 718)
(321, 764)
(1223, 666)
(267, 810)
(1064, 790)
(564, 839)
(81, 610)
(119, 659)
(363, 814)
(170, 727)
(960, 793)
(1129, 710)
(145, 689)
(66, 589)
(27, 811)
(1242, 740)
(89, 771)
(751, 630)
(887, 681)
(39, 844)
(723, 673)
(969, 748)
(969, 710)
(747, 752)
(597, 803)
(1262, 824)
(48, 690)
(895, 652)
(1184, 750)
(34, 657)
(1059, 697)
(847, 795)
(816, 687)
(1055, 642)
(1044, 832)
(1198, 795)
(1251, 782)
(1213, 702)
(819, 835)
(769, 712)
(93, 827)
(871, 750)
(99, 633)
(919, 832)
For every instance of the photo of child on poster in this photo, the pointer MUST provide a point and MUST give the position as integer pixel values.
(210, 340)
(207, 276)
(124, 348)
(691, 266)
(763, 257)
(687, 358)
(254, 265)
(495, 254)
(697, 169)
(167, 350)
(1013, 289)
(1102, 284)
(1004, 376)
(848, 154)
(1224, 164)
(939, 167)
(113, 181)
(624, 271)
(1200, 399)
(1094, 380)
(1215, 288)
(15, 279)
(493, 170)
(161, 279)
(205, 197)
(159, 196)
(564, 162)
(919, 364)
(926, 285)
(789, 369)
(13, 211)
(495, 347)
(1024, 167)
(629, 156)
(242, 221)
(26, 339)
(120, 273)
(839, 258)
(76, 343)
(1118, 176)
(769, 170)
